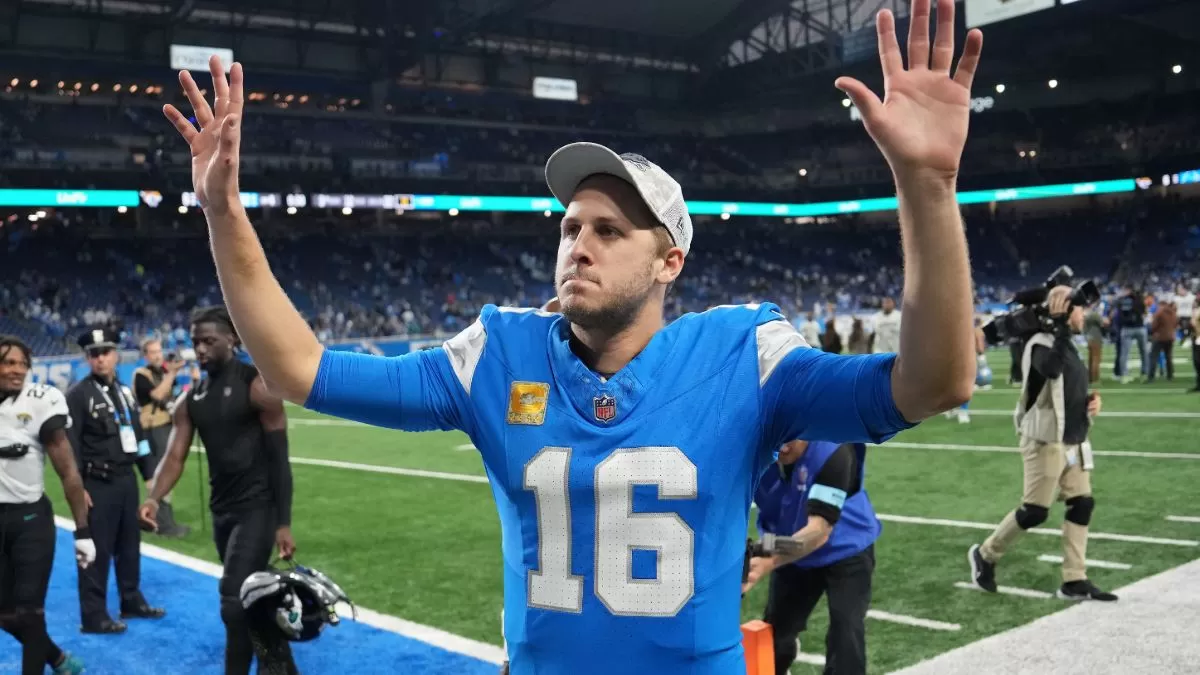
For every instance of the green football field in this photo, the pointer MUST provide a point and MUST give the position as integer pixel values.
(426, 546)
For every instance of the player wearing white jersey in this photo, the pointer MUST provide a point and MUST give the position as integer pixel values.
(33, 423)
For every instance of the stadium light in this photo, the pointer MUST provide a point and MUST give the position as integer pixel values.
(346, 210)
(1177, 69)
(60, 84)
(78, 86)
(803, 172)
(116, 87)
(1033, 153)
(133, 88)
(725, 216)
(1000, 88)
(41, 214)
(453, 212)
(546, 213)
(1053, 84)
(1022, 153)
(291, 210)
(122, 209)
(846, 103)
(33, 217)
(182, 209)
(33, 84)
(14, 82)
(95, 86)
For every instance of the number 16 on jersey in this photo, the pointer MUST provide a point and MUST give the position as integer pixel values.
(619, 531)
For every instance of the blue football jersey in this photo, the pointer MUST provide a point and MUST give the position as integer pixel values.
(623, 500)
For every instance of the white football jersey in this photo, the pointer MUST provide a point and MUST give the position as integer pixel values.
(21, 420)
(1185, 304)
(887, 333)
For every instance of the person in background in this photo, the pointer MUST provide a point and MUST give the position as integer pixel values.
(1162, 339)
(859, 342)
(810, 330)
(1094, 325)
(153, 387)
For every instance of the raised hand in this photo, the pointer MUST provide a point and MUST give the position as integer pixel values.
(215, 146)
(921, 123)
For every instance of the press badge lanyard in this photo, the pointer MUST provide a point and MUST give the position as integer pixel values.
(129, 442)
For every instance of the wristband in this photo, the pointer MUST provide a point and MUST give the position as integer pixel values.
(83, 533)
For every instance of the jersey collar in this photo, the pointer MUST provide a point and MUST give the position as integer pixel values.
(605, 401)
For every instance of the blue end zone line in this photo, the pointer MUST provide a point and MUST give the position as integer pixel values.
(191, 638)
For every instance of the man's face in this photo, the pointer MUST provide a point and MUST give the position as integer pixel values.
(14, 368)
(608, 255)
(888, 305)
(154, 354)
(214, 344)
(103, 361)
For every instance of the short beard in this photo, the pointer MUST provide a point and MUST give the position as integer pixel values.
(612, 318)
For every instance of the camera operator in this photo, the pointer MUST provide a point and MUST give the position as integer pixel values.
(1053, 416)
(154, 388)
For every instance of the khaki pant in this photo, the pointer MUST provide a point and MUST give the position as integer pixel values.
(1050, 468)
(1095, 350)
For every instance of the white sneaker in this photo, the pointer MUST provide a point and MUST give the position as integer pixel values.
(964, 418)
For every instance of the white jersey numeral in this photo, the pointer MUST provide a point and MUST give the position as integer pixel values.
(619, 531)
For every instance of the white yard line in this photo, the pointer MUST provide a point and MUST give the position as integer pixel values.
(943, 522)
(1103, 564)
(912, 621)
(1007, 590)
(1106, 413)
(811, 659)
(427, 634)
(1184, 519)
(1005, 448)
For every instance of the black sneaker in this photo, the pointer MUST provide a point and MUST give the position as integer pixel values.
(1084, 590)
(983, 573)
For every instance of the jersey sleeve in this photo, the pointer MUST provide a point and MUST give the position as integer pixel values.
(420, 391)
(50, 409)
(814, 395)
(834, 483)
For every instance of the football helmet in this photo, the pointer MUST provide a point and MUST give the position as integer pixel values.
(300, 601)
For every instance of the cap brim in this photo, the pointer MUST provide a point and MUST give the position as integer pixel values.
(571, 164)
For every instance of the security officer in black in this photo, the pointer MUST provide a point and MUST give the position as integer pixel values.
(244, 429)
(108, 441)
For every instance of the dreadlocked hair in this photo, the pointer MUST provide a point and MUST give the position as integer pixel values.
(11, 342)
(216, 314)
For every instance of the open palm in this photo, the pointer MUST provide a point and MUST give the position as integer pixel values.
(921, 123)
(215, 145)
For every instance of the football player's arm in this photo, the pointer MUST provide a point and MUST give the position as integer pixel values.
(834, 483)
(53, 435)
(419, 391)
(179, 445)
(273, 419)
(813, 395)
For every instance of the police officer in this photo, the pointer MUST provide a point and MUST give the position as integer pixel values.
(816, 496)
(153, 385)
(1053, 417)
(107, 438)
(244, 429)
(33, 423)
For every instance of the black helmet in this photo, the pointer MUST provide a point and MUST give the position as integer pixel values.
(300, 601)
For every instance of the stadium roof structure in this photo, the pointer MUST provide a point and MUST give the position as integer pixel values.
(725, 49)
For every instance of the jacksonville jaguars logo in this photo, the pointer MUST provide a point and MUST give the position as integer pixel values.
(24, 418)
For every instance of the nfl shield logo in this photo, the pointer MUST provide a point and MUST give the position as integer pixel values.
(605, 407)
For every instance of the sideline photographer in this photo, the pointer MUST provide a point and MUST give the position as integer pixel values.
(1053, 417)
(154, 389)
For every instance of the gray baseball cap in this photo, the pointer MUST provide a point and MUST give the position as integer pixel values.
(572, 163)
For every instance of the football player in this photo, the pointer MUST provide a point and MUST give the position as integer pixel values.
(623, 452)
(33, 423)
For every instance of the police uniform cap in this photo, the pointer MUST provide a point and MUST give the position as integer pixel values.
(99, 338)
